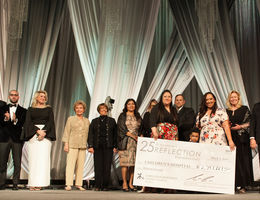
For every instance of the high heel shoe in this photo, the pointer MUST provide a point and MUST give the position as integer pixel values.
(133, 189)
(125, 189)
(80, 188)
(68, 188)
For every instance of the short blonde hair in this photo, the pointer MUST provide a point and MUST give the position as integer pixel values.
(79, 102)
(36, 94)
(239, 104)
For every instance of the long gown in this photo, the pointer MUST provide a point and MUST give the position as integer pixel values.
(39, 151)
(242, 142)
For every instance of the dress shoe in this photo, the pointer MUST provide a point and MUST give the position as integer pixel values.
(133, 189)
(15, 187)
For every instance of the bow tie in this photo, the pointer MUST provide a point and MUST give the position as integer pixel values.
(12, 105)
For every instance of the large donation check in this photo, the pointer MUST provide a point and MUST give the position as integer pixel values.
(185, 166)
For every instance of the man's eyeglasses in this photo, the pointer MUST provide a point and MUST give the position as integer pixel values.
(13, 95)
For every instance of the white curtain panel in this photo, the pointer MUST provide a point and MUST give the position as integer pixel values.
(217, 71)
(125, 40)
(174, 72)
(84, 15)
(3, 42)
(30, 69)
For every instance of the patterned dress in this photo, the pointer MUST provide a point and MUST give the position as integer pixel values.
(127, 157)
(211, 128)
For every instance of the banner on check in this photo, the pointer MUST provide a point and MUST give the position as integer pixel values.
(185, 166)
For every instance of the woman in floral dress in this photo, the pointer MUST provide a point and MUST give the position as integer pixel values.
(213, 122)
(128, 129)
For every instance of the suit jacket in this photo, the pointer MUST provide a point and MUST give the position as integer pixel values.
(94, 138)
(255, 123)
(76, 133)
(2, 103)
(186, 121)
(9, 129)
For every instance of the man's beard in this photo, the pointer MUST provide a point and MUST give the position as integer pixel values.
(14, 102)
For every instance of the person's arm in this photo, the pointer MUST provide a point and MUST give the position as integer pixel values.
(197, 123)
(153, 122)
(91, 137)
(50, 126)
(28, 129)
(21, 118)
(252, 132)
(225, 126)
(66, 135)
(245, 123)
(114, 125)
(121, 127)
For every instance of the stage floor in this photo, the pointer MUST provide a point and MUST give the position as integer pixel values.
(56, 194)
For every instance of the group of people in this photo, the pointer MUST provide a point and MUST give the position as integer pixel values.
(234, 126)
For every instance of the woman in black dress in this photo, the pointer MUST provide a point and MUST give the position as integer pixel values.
(239, 117)
(102, 141)
(146, 120)
(164, 117)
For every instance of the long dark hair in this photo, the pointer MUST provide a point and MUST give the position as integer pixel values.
(204, 108)
(136, 113)
(161, 108)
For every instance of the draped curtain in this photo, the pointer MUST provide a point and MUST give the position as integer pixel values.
(28, 68)
(217, 71)
(66, 85)
(245, 24)
(3, 42)
(174, 72)
(162, 35)
(125, 40)
(84, 15)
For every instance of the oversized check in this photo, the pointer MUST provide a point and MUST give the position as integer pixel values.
(185, 166)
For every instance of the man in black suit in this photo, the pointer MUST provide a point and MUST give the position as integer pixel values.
(255, 127)
(12, 118)
(2, 103)
(186, 118)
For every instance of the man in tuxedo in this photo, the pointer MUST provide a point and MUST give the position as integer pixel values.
(2, 103)
(12, 118)
(186, 118)
(255, 127)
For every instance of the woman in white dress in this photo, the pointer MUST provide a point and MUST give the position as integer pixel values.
(39, 131)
